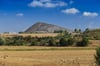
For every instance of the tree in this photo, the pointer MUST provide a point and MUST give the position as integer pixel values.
(83, 42)
(33, 43)
(79, 30)
(86, 30)
(20, 43)
(63, 42)
(66, 41)
(59, 31)
(70, 41)
(97, 56)
(52, 42)
(76, 30)
(2, 42)
(10, 42)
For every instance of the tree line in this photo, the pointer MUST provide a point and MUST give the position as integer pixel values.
(63, 39)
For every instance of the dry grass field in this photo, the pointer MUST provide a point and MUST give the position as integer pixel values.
(46, 58)
(94, 43)
(32, 35)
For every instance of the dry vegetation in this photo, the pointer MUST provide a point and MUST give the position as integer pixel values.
(32, 35)
(46, 58)
(94, 43)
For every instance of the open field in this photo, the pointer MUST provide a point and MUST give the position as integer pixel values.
(65, 57)
(32, 35)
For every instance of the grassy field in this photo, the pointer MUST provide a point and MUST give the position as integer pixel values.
(42, 48)
(53, 56)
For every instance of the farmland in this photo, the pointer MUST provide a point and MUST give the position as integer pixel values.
(32, 35)
(47, 49)
(47, 56)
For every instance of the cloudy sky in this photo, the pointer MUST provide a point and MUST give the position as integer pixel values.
(18, 15)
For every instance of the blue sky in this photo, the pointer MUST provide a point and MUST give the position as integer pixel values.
(18, 15)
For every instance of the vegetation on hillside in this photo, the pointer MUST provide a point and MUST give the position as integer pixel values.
(92, 34)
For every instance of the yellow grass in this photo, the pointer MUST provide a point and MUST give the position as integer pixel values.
(32, 35)
(46, 58)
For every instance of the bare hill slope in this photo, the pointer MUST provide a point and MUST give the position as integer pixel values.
(44, 27)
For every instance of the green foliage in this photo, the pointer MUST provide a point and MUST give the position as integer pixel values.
(2, 42)
(63, 39)
(52, 42)
(86, 30)
(60, 31)
(97, 56)
(62, 42)
(10, 42)
(33, 43)
(77, 30)
(19, 43)
(70, 41)
(83, 42)
(15, 41)
(66, 42)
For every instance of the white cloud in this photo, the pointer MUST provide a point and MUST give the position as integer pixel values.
(19, 14)
(47, 3)
(62, 3)
(36, 3)
(90, 14)
(71, 11)
(50, 5)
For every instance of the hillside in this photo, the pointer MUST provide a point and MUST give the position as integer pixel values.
(44, 28)
(93, 34)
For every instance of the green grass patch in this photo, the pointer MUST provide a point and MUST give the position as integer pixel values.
(48, 49)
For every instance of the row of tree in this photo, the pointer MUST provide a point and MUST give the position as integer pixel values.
(63, 39)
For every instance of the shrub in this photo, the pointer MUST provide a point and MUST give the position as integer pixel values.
(33, 43)
(97, 56)
(2, 42)
(10, 42)
(83, 42)
(63, 42)
(70, 41)
(52, 42)
(19, 43)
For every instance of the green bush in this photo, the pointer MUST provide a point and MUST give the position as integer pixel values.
(10, 42)
(97, 56)
(20, 43)
(70, 41)
(52, 42)
(63, 42)
(2, 42)
(33, 43)
(83, 42)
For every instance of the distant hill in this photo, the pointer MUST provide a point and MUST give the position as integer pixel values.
(44, 27)
(93, 34)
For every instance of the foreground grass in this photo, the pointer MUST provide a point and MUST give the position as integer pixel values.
(47, 58)
(22, 48)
